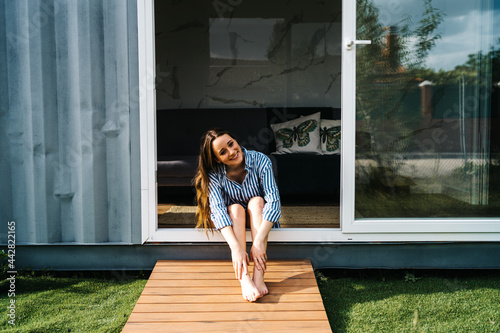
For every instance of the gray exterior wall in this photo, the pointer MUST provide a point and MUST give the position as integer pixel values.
(322, 255)
(69, 121)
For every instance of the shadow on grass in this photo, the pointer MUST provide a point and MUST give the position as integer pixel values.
(343, 290)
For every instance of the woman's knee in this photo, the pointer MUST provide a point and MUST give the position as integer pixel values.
(236, 212)
(256, 204)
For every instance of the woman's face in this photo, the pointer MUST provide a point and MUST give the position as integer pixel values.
(227, 150)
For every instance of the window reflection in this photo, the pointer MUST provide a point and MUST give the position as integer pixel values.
(427, 102)
(250, 39)
(275, 61)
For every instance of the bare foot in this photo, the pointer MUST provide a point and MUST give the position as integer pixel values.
(248, 289)
(258, 280)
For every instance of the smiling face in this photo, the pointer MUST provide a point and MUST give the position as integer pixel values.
(227, 151)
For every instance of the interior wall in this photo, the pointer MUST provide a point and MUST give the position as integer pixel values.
(217, 54)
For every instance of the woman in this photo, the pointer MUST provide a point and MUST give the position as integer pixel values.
(235, 188)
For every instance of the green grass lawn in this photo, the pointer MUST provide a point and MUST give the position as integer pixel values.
(356, 301)
(72, 302)
(424, 301)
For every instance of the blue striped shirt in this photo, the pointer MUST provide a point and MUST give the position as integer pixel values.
(259, 181)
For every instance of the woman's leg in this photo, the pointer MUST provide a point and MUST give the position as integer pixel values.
(254, 211)
(238, 216)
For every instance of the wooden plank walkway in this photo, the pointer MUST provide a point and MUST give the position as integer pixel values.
(204, 296)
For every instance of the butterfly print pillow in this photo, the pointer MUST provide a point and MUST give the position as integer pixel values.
(300, 135)
(330, 136)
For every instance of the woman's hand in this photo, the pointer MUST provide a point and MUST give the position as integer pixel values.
(240, 262)
(258, 255)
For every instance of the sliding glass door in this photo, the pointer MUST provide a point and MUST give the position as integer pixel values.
(426, 99)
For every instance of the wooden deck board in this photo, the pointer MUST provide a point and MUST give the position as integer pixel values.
(235, 326)
(229, 275)
(203, 295)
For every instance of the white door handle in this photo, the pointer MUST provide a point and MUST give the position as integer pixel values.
(349, 42)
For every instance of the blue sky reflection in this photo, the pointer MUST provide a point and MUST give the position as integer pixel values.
(467, 28)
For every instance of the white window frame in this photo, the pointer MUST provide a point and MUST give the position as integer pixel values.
(352, 230)
(147, 117)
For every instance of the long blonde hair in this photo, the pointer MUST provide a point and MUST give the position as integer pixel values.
(206, 162)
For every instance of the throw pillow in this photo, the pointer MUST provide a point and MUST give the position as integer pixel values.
(330, 136)
(300, 135)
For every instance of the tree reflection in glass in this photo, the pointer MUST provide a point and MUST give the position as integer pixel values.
(423, 144)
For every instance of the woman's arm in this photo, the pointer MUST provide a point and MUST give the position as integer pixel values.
(223, 223)
(270, 213)
(239, 256)
(272, 207)
(218, 208)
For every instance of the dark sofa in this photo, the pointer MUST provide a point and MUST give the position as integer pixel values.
(179, 132)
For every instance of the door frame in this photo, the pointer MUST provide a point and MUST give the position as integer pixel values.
(351, 230)
(147, 117)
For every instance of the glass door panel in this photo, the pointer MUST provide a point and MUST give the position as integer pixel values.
(427, 104)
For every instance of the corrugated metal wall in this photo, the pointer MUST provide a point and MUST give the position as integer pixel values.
(69, 121)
